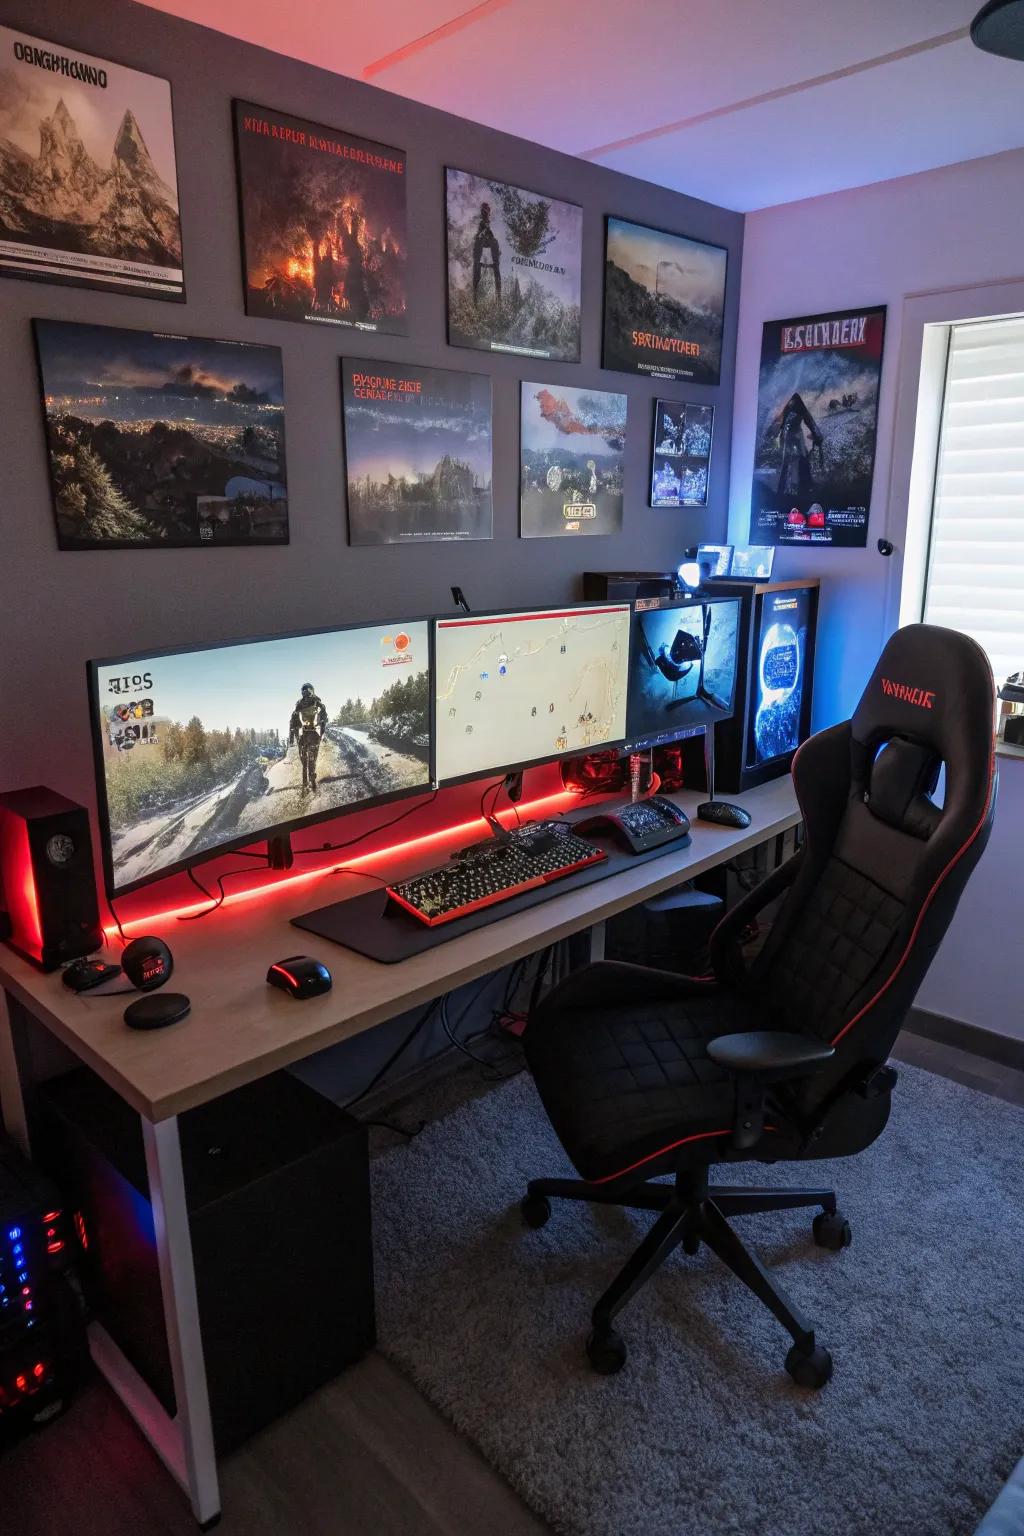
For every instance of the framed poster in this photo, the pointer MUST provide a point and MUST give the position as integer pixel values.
(417, 452)
(664, 303)
(514, 265)
(88, 177)
(681, 454)
(817, 418)
(158, 442)
(323, 223)
(571, 456)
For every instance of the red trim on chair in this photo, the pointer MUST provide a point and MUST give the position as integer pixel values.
(609, 1178)
(927, 903)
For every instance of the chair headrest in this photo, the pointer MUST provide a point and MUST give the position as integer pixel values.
(932, 687)
(902, 778)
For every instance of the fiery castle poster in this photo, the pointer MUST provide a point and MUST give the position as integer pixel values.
(323, 223)
(88, 180)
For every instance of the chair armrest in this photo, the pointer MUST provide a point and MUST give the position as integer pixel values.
(756, 1058)
(770, 1054)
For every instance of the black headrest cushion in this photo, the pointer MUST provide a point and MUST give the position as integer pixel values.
(903, 775)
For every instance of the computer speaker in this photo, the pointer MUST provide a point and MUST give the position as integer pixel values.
(46, 868)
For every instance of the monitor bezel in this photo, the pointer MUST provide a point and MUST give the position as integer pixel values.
(114, 891)
(647, 741)
(499, 770)
(744, 575)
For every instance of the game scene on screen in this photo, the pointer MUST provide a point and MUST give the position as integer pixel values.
(518, 688)
(205, 747)
(682, 669)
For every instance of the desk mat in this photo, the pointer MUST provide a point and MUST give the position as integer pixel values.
(374, 926)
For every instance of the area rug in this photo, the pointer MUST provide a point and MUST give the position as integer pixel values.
(703, 1432)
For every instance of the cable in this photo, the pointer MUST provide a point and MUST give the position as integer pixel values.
(414, 1031)
(410, 810)
(113, 912)
(218, 900)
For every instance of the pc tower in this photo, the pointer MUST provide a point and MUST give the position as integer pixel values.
(42, 1335)
(777, 628)
(49, 887)
(277, 1190)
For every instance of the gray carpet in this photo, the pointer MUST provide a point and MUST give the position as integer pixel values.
(703, 1433)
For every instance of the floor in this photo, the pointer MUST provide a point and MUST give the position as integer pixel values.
(366, 1454)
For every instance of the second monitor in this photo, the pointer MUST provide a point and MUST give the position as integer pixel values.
(516, 688)
(682, 674)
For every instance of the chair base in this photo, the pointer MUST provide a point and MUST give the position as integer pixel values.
(689, 1213)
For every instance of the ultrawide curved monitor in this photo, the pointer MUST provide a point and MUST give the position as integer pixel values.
(682, 668)
(203, 750)
(526, 686)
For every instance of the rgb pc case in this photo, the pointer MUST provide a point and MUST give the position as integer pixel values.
(773, 687)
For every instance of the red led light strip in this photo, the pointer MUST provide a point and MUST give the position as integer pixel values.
(560, 801)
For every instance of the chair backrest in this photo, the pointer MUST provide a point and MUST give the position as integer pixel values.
(883, 865)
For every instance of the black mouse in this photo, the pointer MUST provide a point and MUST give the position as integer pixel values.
(300, 976)
(82, 975)
(723, 814)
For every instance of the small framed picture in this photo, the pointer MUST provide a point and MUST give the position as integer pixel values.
(681, 453)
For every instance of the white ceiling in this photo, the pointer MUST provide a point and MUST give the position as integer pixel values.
(743, 102)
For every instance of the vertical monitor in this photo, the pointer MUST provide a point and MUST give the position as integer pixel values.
(682, 668)
(752, 562)
(528, 686)
(776, 694)
(716, 557)
(202, 750)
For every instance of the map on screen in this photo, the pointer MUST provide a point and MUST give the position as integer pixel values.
(515, 688)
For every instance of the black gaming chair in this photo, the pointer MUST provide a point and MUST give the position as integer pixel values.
(645, 1073)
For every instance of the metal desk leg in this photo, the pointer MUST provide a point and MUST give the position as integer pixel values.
(597, 940)
(181, 1318)
(12, 1097)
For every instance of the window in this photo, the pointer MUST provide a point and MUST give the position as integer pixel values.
(975, 566)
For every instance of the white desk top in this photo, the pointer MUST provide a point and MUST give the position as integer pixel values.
(240, 1029)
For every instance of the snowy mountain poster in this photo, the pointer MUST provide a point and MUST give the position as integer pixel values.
(88, 180)
(162, 442)
(417, 452)
(817, 419)
(664, 303)
(514, 265)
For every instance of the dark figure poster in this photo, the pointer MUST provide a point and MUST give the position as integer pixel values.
(664, 304)
(514, 263)
(817, 417)
(88, 179)
(417, 453)
(681, 454)
(160, 441)
(571, 449)
(323, 223)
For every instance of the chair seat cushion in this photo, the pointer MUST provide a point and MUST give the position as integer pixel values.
(619, 1057)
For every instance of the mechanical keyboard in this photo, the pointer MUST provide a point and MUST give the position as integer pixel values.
(490, 872)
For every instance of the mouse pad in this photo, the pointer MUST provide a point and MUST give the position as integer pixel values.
(374, 926)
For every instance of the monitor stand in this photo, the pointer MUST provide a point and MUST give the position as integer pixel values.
(280, 854)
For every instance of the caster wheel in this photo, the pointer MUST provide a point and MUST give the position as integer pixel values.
(536, 1210)
(809, 1370)
(606, 1351)
(832, 1230)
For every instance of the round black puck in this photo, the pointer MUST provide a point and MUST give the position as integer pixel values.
(157, 1010)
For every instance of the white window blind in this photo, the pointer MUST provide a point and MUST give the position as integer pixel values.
(975, 579)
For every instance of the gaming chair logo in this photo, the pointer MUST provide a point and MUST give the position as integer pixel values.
(922, 698)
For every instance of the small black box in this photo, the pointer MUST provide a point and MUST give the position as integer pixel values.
(277, 1189)
(626, 586)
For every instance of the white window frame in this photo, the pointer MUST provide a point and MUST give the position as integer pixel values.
(926, 322)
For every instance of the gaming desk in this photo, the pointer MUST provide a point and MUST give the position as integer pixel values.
(240, 1030)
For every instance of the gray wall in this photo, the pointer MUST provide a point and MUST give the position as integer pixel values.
(57, 609)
